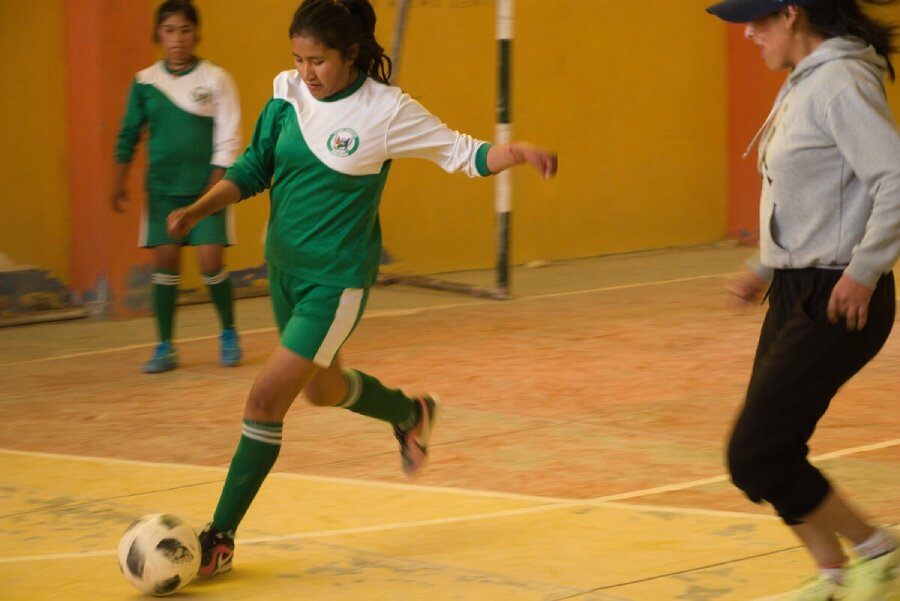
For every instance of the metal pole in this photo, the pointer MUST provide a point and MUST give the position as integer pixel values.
(503, 182)
(397, 43)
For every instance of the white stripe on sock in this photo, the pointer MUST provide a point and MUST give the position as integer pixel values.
(212, 280)
(267, 435)
(165, 279)
(354, 387)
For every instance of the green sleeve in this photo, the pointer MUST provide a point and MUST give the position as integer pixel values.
(132, 124)
(252, 171)
(481, 160)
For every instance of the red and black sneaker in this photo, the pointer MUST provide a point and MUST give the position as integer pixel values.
(217, 551)
(414, 442)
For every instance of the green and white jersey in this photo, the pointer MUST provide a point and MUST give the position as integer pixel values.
(327, 162)
(194, 123)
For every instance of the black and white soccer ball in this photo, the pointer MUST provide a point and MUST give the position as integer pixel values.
(159, 554)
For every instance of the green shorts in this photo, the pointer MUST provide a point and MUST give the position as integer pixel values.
(216, 229)
(314, 320)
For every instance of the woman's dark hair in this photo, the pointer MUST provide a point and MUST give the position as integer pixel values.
(339, 24)
(835, 18)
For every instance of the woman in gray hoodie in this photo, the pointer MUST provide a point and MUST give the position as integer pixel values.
(829, 158)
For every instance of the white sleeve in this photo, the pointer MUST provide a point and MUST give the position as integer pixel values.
(415, 133)
(226, 123)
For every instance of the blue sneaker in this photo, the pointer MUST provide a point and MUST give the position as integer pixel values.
(230, 351)
(164, 359)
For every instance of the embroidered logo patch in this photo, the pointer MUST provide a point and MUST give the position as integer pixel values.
(343, 142)
(201, 95)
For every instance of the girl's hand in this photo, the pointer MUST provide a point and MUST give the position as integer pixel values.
(545, 162)
(179, 223)
(119, 198)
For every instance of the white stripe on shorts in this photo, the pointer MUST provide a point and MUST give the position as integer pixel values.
(344, 319)
(230, 230)
(144, 230)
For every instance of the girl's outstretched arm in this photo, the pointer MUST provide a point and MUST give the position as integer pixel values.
(504, 156)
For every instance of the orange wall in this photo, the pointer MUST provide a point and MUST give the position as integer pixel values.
(752, 89)
(107, 41)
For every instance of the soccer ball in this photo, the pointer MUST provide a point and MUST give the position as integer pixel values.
(159, 554)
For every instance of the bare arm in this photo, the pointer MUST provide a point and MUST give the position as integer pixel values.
(222, 194)
(120, 194)
(214, 176)
(503, 156)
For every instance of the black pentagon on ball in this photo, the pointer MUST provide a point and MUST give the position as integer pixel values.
(135, 561)
(169, 521)
(167, 586)
(174, 550)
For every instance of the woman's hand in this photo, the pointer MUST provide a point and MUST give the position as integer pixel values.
(850, 300)
(747, 287)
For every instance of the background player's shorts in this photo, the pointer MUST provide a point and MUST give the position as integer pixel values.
(216, 229)
(314, 320)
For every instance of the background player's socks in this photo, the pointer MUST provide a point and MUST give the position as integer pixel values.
(219, 285)
(165, 287)
(255, 455)
(367, 396)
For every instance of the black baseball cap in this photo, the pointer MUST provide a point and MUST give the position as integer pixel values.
(744, 11)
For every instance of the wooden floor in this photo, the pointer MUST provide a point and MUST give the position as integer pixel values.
(579, 457)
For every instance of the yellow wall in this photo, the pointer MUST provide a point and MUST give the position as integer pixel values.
(34, 228)
(633, 99)
(640, 127)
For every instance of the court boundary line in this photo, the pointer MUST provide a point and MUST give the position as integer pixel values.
(544, 503)
(380, 314)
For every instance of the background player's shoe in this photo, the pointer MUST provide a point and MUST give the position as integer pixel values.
(164, 358)
(876, 579)
(230, 349)
(217, 551)
(821, 588)
(414, 442)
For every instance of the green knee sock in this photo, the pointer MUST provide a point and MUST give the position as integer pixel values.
(254, 457)
(219, 285)
(367, 396)
(165, 287)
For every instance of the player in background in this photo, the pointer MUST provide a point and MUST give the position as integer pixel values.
(829, 157)
(190, 108)
(324, 144)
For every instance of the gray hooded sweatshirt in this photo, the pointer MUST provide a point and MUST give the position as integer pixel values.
(830, 163)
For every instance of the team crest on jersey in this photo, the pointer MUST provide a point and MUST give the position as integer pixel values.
(201, 95)
(343, 142)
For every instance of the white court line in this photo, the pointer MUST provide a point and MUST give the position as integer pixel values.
(376, 314)
(547, 503)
